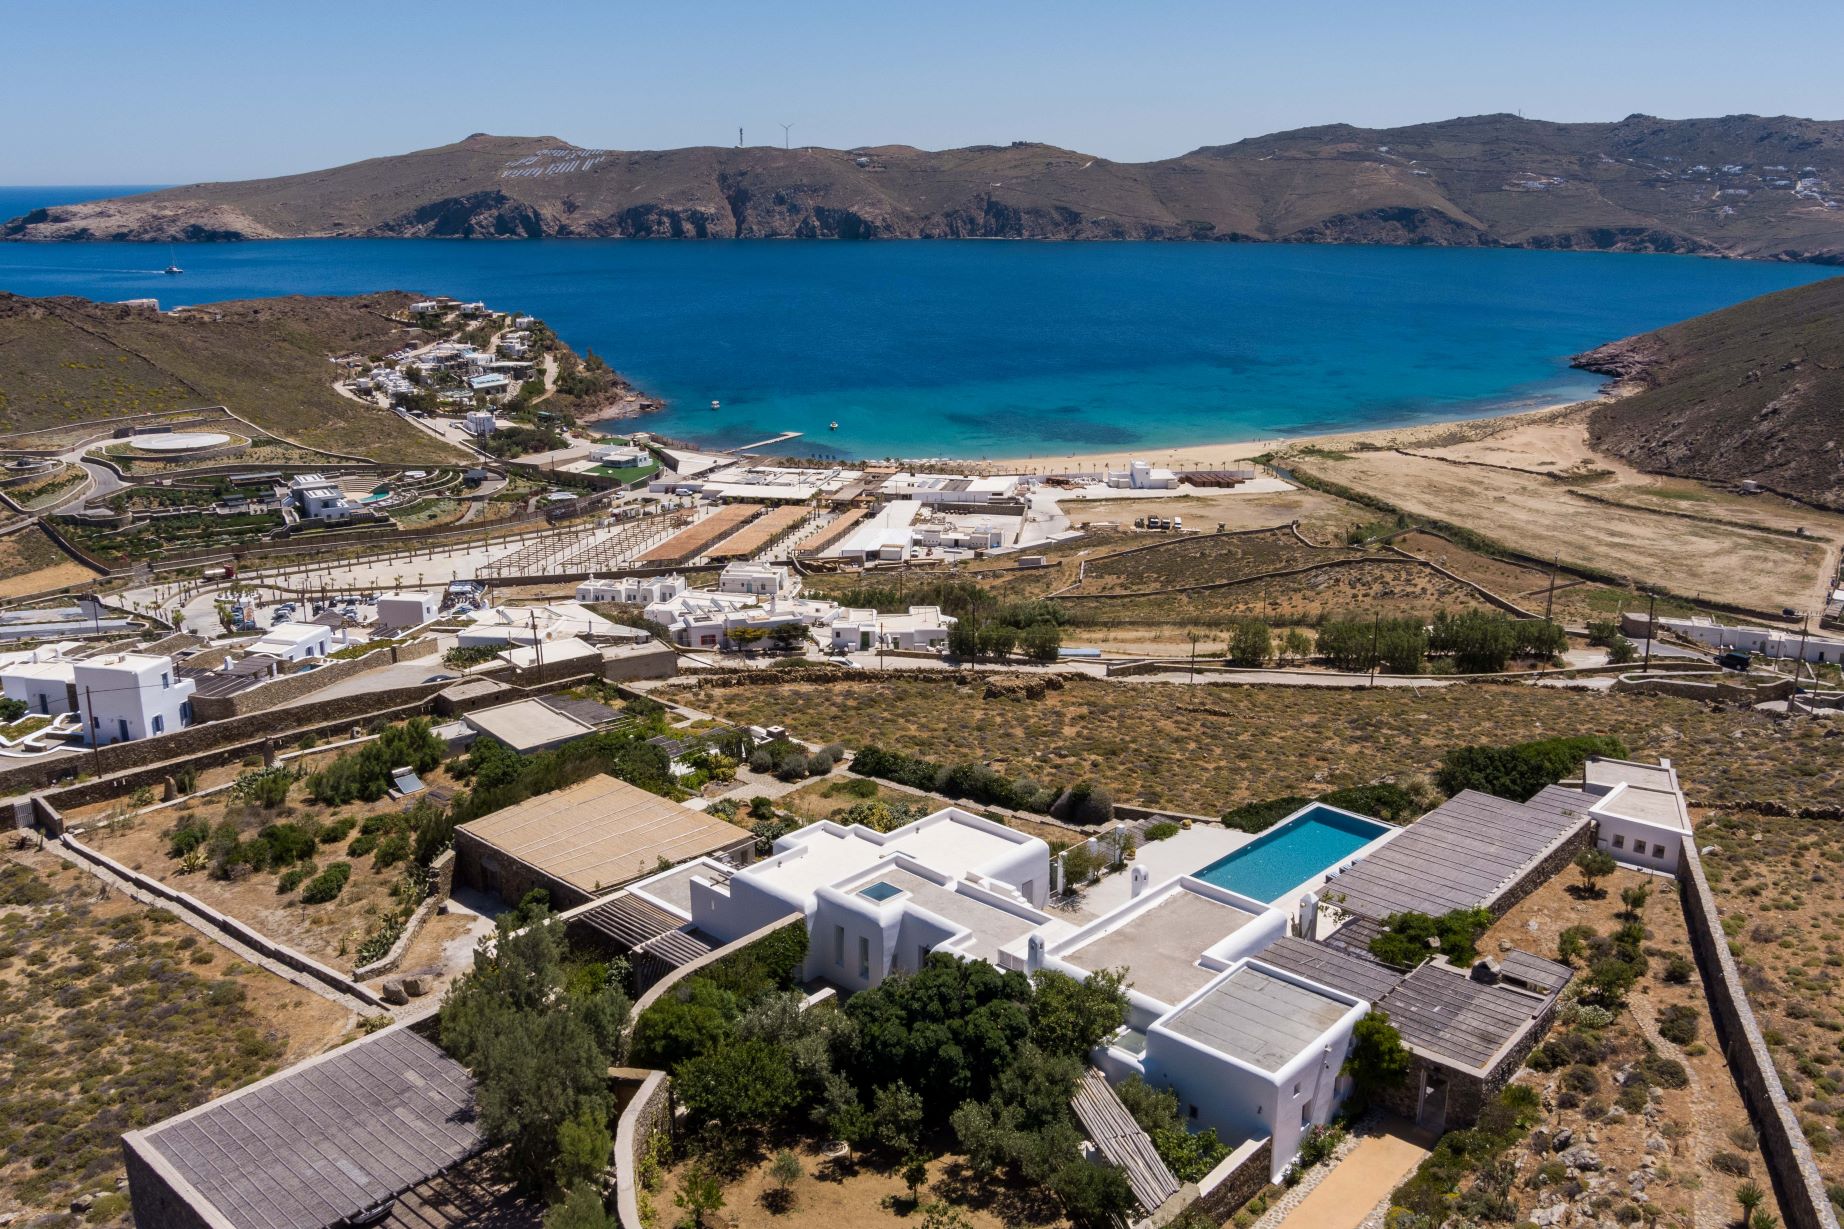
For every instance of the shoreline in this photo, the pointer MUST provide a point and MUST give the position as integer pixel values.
(1223, 454)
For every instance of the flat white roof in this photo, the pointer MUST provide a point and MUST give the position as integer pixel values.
(1647, 793)
(568, 649)
(825, 853)
(1258, 1016)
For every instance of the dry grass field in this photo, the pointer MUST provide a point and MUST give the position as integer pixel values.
(1204, 559)
(1537, 486)
(1390, 587)
(30, 562)
(1780, 886)
(1207, 748)
(117, 1016)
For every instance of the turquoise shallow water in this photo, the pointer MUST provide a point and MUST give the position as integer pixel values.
(1287, 856)
(995, 349)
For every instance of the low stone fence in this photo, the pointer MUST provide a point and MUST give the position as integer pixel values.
(1796, 1179)
(441, 885)
(1706, 685)
(223, 922)
(1236, 1179)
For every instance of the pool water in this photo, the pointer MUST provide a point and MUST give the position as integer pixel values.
(1300, 848)
(880, 891)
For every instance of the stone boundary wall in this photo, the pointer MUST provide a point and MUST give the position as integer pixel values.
(291, 688)
(659, 988)
(441, 885)
(1551, 865)
(225, 923)
(1713, 691)
(648, 1114)
(1796, 1179)
(1236, 1179)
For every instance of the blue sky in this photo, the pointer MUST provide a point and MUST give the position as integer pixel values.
(191, 89)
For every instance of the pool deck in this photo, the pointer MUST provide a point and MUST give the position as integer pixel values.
(1182, 854)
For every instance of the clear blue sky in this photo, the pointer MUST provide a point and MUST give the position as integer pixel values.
(199, 89)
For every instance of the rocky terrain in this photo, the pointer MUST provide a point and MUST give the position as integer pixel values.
(1736, 186)
(1749, 392)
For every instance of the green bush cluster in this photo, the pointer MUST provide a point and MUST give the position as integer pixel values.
(1482, 642)
(1410, 938)
(327, 885)
(365, 775)
(1430, 1193)
(1189, 1156)
(501, 777)
(1384, 801)
(1519, 771)
(1084, 803)
(1398, 645)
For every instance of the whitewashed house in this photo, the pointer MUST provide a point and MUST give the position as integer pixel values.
(1142, 476)
(125, 696)
(1639, 813)
(761, 579)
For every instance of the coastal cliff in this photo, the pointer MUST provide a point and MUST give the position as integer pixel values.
(1737, 186)
(1749, 392)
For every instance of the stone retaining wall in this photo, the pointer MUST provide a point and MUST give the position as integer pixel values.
(647, 1115)
(291, 688)
(441, 886)
(1796, 1179)
(1705, 687)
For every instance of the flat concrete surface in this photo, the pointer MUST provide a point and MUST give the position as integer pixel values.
(1190, 851)
(1365, 1178)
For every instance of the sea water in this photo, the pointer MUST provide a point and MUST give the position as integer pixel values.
(991, 348)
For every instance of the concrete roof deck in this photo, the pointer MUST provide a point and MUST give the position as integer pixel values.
(601, 833)
(991, 927)
(1161, 945)
(1258, 1017)
(825, 853)
(1651, 795)
(526, 725)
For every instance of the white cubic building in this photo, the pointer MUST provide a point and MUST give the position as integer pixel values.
(1639, 816)
(406, 610)
(631, 590)
(922, 628)
(763, 579)
(42, 681)
(481, 423)
(296, 641)
(951, 488)
(125, 696)
(1141, 476)
(318, 498)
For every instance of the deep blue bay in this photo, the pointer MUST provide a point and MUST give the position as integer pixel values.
(991, 348)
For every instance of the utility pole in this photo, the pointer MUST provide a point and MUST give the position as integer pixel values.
(1376, 633)
(1549, 602)
(1805, 621)
(1651, 631)
(94, 731)
(537, 644)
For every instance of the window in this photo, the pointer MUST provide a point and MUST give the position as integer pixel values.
(838, 946)
(166, 680)
(1296, 1088)
(1619, 842)
(1658, 851)
(1306, 1114)
(159, 723)
(864, 957)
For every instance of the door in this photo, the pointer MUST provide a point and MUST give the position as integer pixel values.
(1431, 1115)
(122, 725)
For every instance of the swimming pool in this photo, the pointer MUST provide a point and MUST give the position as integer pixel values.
(1302, 847)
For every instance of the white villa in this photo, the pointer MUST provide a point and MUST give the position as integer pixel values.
(1773, 642)
(763, 579)
(1640, 817)
(299, 641)
(631, 590)
(922, 628)
(1250, 1048)
(125, 696)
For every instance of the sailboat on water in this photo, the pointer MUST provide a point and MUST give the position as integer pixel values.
(172, 265)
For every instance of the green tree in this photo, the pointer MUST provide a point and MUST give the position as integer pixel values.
(1408, 939)
(915, 1174)
(746, 1085)
(1041, 642)
(1379, 1061)
(937, 1214)
(536, 1071)
(582, 1208)
(1296, 646)
(964, 639)
(784, 1173)
(584, 1149)
(1594, 865)
(1070, 1017)
(1093, 1196)
(692, 1020)
(844, 1115)
(1250, 643)
(896, 1117)
(997, 639)
(700, 1193)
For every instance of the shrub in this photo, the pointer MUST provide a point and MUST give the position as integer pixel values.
(327, 885)
(1679, 969)
(1517, 772)
(1665, 1072)
(1384, 801)
(1678, 1023)
(1410, 938)
(364, 775)
(1087, 803)
(1161, 831)
(1260, 816)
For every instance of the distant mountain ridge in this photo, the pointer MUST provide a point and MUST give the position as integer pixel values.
(1742, 185)
(1749, 392)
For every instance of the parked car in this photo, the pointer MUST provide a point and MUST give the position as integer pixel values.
(1734, 661)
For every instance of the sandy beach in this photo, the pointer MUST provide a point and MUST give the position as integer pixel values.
(1229, 455)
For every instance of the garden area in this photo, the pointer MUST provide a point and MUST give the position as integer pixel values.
(1779, 884)
(118, 1016)
(1627, 1112)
